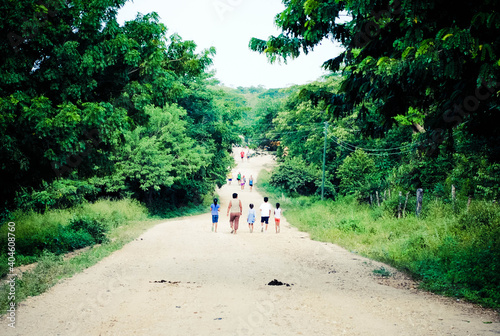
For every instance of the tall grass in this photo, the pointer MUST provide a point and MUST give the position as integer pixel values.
(39, 238)
(61, 231)
(453, 252)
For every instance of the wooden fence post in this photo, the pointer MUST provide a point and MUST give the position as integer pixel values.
(420, 198)
(399, 205)
(406, 202)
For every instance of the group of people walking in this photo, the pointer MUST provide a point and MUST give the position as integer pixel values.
(241, 180)
(247, 155)
(235, 211)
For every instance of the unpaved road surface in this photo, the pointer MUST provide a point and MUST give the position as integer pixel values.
(179, 278)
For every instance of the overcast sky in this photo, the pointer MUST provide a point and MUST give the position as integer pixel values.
(228, 25)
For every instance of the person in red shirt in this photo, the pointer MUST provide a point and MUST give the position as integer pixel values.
(242, 155)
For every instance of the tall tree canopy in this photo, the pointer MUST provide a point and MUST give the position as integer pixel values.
(432, 65)
(417, 78)
(80, 94)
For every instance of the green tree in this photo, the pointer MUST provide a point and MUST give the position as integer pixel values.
(358, 175)
(296, 176)
(413, 60)
(157, 156)
(427, 68)
(78, 88)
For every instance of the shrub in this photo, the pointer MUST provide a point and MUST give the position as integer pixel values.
(74, 240)
(347, 225)
(357, 175)
(464, 271)
(390, 206)
(91, 224)
(480, 215)
(60, 194)
(295, 175)
(479, 225)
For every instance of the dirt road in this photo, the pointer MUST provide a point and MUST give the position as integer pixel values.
(179, 278)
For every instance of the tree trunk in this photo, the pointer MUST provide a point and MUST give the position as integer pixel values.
(371, 199)
(406, 202)
(420, 198)
(468, 202)
(378, 199)
(418, 127)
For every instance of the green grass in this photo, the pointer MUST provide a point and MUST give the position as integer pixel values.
(125, 219)
(61, 231)
(456, 253)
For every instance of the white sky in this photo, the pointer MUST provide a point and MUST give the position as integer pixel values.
(228, 25)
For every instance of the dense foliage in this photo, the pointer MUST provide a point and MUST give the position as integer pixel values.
(417, 91)
(89, 108)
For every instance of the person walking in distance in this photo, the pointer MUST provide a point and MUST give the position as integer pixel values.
(265, 213)
(238, 178)
(251, 217)
(277, 217)
(250, 182)
(243, 182)
(215, 208)
(234, 210)
(230, 177)
(242, 155)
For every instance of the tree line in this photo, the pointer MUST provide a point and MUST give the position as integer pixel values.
(411, 102)
(90, 109)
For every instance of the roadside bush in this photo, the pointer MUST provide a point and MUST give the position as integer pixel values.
(390, 206)
(347, 225)
(480, 216)
(91, 224)
(377, 213)
(470, 272)
(61, 231)
(73, 240)
(60, 194)
(357, 175)
(296, 176)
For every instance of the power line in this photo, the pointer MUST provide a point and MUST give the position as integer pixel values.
(343, 144)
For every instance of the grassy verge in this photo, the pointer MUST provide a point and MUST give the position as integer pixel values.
(455, 253)
(123, 221)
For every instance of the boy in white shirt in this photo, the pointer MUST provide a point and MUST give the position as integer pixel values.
(265, 213)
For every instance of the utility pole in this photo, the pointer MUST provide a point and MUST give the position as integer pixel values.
(324, 162)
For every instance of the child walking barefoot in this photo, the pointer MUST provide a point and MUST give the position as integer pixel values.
(251, 217)
(277, 217)
(235, 208)
(215, 208)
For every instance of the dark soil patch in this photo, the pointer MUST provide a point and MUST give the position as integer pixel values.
(278, 283)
